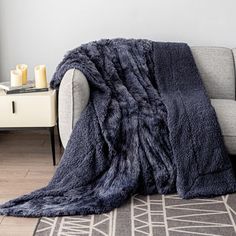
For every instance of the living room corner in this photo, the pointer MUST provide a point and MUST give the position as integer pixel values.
(117, 118)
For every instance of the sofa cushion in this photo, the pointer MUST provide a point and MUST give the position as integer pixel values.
(226, 115)
(216, 67)
(74, 92)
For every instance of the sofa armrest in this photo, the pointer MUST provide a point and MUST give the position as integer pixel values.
(234, 54)
(72, 99)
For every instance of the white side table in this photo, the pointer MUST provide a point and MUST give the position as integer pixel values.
(30, 111)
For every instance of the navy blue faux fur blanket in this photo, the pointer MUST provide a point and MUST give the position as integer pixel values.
(148, 128)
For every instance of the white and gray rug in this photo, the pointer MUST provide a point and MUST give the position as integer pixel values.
(151, 215)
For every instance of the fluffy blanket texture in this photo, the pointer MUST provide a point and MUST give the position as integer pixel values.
(148, 128)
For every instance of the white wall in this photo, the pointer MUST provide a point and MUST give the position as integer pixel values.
(41, 31)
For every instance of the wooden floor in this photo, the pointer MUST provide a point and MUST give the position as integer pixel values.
(25, 165)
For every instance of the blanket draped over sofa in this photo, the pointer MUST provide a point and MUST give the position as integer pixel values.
(149, 128)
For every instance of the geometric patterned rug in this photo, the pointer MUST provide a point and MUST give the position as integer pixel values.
(164, 215)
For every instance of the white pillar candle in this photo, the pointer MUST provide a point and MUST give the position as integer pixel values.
(23, 68)
(16, 78)
(40, 76)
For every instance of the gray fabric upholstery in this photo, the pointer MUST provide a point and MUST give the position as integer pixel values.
(226, 115)
(216, 66)
(73, 98)
(234, 54)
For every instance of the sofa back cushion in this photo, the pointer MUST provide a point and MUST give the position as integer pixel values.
(217, 69)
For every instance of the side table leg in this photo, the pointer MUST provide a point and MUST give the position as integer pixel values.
(51, 130)
(59, 137)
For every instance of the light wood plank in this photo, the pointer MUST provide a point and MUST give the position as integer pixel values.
(13, 174)
(25, 165)
(17, 230)
(18, 220)
(6, 197)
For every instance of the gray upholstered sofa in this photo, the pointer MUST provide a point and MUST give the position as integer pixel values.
(216, 66)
